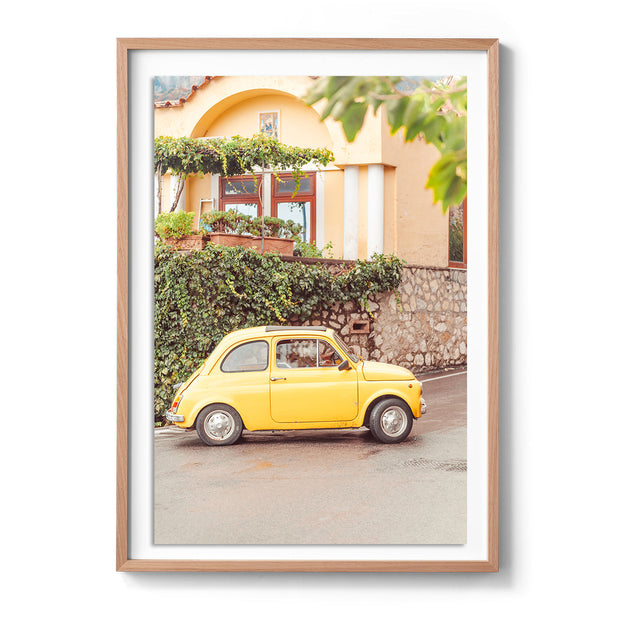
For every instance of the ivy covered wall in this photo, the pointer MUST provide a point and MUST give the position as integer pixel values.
(202, 296)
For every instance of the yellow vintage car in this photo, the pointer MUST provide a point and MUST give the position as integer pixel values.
(282, 377)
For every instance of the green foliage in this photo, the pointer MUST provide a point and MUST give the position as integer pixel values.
(201, 296)
(174, 225)
(371, 277)
(225, 222)
(276, 227)
(328, 250)
(435, 111)
(309, 250)
(233, 156)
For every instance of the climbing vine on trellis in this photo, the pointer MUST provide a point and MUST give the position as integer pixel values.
(185, 157)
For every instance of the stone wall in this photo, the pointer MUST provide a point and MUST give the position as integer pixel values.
(422, 327)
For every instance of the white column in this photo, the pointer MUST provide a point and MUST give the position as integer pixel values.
(375, 209)
(320, 209)
(174, 183)
(267, 195)
(351, 212)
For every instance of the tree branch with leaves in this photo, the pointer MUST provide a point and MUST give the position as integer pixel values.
(436, 111)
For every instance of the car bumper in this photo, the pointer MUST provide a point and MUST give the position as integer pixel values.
(422, 406)
(171, 417)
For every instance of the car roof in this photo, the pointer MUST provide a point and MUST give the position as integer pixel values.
(295, 328)
(280, 329)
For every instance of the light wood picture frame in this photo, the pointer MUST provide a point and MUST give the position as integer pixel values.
(125, 559)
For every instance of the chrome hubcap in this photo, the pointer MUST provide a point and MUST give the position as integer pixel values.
(219, 425)
(393, 421)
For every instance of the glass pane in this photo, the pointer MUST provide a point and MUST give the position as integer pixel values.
(328, 356)
(296, 354)
(248, 357)
(299, 212)
(456, 234)
(287, 186)
(238, 187)
(246, 208)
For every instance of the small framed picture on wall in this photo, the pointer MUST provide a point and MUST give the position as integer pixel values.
(269, 124)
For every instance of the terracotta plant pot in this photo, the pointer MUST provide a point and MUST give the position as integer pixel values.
(187, 242)
(232, 239)
(272, 244)
(278, 245)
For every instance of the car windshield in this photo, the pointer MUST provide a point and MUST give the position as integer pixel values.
(346, 349)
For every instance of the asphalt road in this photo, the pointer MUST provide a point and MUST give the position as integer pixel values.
(319, 487)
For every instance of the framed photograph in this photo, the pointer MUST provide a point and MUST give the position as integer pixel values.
(307, 374)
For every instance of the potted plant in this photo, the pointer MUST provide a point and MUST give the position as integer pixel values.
(280, 235)
(176, 229)
(266, 234)
(228, 228)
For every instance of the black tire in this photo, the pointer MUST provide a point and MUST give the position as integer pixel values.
(390, 421)
(219, 425)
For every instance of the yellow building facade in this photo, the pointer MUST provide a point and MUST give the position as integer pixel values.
(370, 199)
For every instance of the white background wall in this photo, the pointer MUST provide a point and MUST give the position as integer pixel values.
(559, 312)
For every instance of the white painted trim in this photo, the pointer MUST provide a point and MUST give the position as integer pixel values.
(351, 212)
(215, 192)
(376, 185)
(200, 211)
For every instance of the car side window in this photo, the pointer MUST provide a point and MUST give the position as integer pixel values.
(296, 353)
(306, 353)
(247, 357)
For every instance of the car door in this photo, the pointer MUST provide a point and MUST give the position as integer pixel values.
(241, 380)
(306, 385)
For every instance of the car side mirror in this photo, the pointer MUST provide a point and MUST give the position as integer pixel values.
(344, 365)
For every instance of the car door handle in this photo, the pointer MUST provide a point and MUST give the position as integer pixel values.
(278, 378)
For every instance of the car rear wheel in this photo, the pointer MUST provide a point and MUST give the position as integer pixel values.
(219, 425)
(390, 421)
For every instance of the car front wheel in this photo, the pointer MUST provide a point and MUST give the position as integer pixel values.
(390, 421)
(219, 425)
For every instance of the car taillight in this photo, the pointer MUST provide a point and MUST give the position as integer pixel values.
(175, 404)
